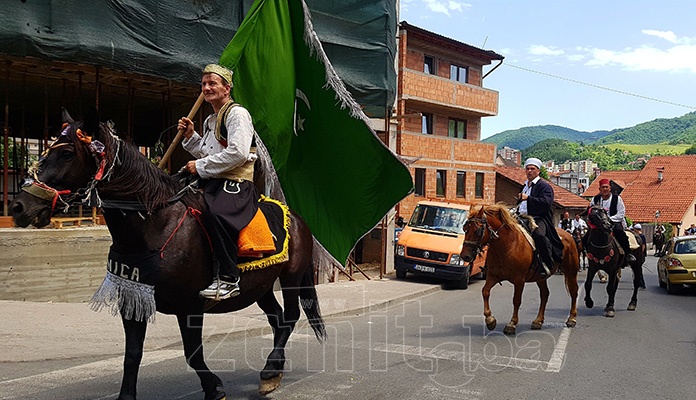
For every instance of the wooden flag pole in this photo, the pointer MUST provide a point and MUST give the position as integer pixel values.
(180, 133)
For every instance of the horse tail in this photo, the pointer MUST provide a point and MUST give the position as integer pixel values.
(310, 304)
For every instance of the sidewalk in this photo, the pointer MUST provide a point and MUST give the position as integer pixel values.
(46, 331)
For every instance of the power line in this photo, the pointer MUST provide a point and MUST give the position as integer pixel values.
(600, 87)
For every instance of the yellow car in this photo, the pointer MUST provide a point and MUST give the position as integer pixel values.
(677, 266)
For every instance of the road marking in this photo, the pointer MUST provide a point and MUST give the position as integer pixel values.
(553, 365)
(29, 385)
(556, 361)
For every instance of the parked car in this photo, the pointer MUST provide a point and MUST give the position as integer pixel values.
(431, 243)
(677, 266)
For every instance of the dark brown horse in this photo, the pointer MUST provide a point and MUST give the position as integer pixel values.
(510, 257)
(145, 215)
(577, 234)
(603, 252)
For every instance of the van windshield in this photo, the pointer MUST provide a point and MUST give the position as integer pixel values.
(438, 218)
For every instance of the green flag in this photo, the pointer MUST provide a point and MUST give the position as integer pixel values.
(334, 171)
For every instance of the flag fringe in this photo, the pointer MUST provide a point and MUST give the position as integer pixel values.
(272, 187)
(133, 300)
(343, 96)
(323, 260)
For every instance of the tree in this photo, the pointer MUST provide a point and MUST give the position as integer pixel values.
(691, 150)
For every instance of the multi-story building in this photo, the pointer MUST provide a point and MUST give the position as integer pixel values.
(440, 103)
(508, 153)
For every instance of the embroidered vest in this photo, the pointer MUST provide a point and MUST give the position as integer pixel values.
(245, 171)
(612, 206)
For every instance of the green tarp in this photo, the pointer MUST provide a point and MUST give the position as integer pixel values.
(173, 39)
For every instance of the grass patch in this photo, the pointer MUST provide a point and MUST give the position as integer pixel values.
(656, 148)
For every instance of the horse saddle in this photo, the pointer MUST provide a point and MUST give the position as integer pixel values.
(528, 226)
(264, 241)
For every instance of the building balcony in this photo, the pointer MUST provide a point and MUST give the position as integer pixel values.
(419, 87)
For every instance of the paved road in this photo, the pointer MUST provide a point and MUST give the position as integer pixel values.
(433, 346)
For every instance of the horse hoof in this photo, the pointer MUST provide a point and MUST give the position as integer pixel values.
(268, 385)
(609, 312)
(491, 323)
(589, 303)
(631, 307)
(536, 325)
(509, 330)
(570, 323)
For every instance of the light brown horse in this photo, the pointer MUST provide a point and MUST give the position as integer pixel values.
(510, 257)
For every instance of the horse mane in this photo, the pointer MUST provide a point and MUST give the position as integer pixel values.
(133, 177)
(500, 210)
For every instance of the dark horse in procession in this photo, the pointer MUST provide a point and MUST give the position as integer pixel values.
(154, 222)
(511, 257)
(605, 253)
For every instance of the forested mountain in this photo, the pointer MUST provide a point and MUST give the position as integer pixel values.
(663, 130)
(669, 131)
(561, 150)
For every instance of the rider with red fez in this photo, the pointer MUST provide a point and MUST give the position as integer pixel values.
(225, 162)
(616, 209)
(536, 199)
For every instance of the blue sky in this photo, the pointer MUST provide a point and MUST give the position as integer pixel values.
(586, 65)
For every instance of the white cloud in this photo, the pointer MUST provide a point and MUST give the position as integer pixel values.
(541, 50)
(647, 58)
(669, 36)
(445, 6)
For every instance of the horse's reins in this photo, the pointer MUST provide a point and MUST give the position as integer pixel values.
(477, 246)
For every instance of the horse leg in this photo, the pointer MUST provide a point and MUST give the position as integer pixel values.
(135, 337)
(571, 283)
(511, 327)
(283, 324)
(612, 286)
(637, 282)
(191, 328)
(486, 292)
(589, 303)
(544, 295)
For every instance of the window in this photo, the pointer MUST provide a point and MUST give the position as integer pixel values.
(457, 128)
(459, 74)
(420, 182)
(441, 183)
(461, 184)
(429, 65)
(479, 185)
(427, 123)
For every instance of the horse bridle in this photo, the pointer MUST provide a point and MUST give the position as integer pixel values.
(483, 225)
(33, 185)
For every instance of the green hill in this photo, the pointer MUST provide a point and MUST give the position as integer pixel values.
(672, 131)
(524, 137)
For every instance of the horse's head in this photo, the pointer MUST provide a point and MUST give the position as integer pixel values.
(61, 175)
(475, 235)
(598, 218)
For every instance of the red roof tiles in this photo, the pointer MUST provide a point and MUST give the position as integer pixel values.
(672, 196)
(562, 197)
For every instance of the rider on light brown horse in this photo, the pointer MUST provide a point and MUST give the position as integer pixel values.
(536, 199)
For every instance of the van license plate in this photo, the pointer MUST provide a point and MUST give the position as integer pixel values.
(424, 268)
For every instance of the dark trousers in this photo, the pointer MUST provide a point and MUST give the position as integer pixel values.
(543, 244)
(231, 206)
